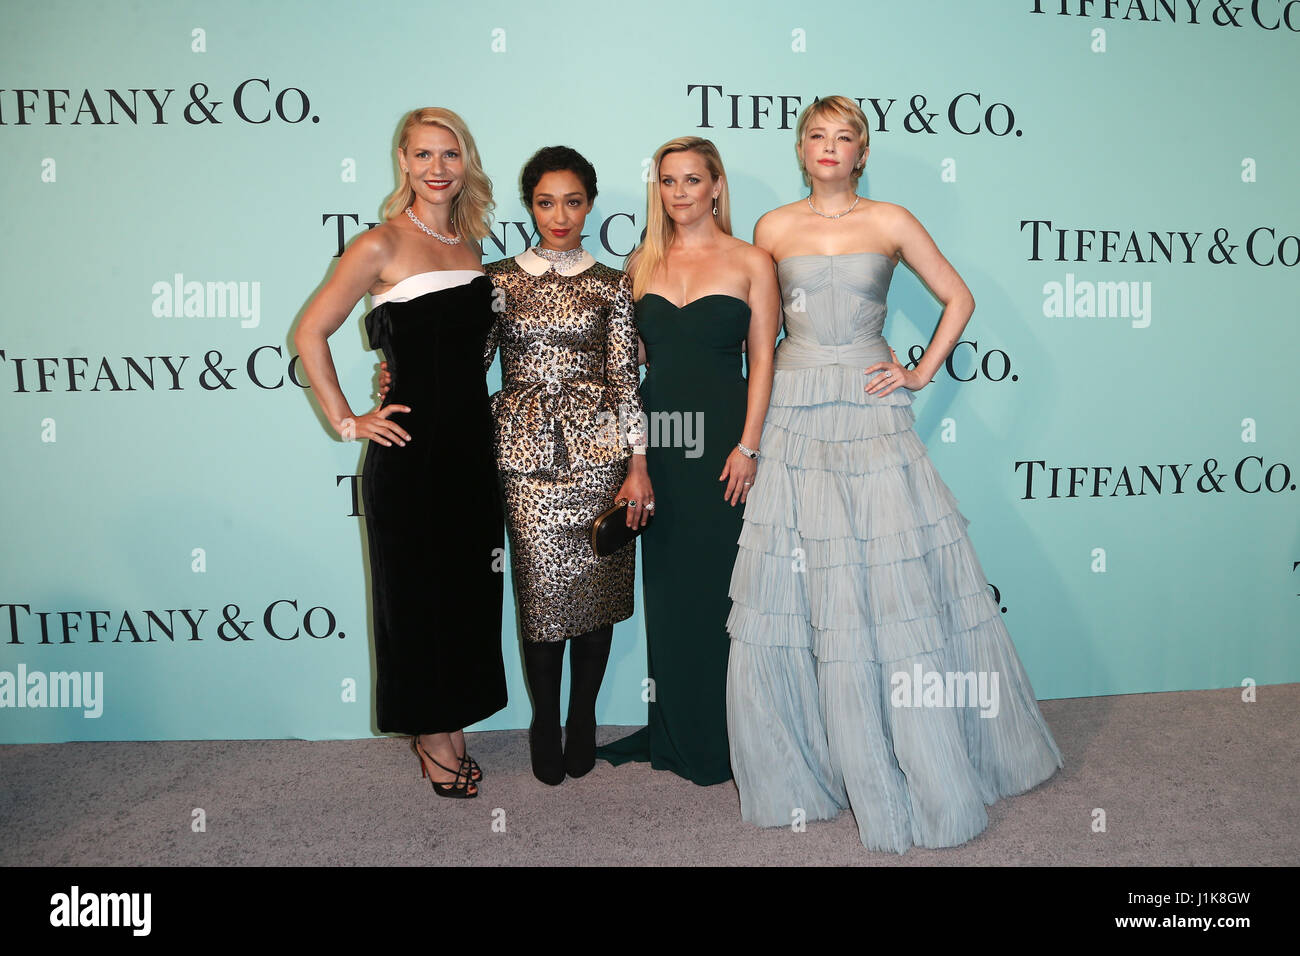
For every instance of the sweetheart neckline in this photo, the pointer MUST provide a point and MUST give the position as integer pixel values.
(711, 295)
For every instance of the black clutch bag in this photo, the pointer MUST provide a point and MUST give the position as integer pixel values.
(609, 531)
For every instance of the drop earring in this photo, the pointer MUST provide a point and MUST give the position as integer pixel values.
(715, 205)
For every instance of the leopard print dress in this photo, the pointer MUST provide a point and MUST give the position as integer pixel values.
(568, 410)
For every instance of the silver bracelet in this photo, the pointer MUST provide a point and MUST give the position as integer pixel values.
(747, 452)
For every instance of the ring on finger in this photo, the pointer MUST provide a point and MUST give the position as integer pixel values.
(649, 506)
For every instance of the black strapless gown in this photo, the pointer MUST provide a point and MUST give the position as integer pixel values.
(434, 520)
(694, 376)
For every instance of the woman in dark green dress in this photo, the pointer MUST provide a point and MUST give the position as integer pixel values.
(702, 298)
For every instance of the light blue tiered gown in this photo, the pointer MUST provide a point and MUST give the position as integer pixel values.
(854, 565)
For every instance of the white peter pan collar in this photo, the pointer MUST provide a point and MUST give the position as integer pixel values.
(535, 265)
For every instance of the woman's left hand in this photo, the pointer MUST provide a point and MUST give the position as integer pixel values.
(892, 375)
(639, 493)
(738, 473)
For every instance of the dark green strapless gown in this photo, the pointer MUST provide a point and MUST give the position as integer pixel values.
(695, 394)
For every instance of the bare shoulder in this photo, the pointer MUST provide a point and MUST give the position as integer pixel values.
(754, 258)
(734, 245)
(375, 245)
(783, 213)
(894, 217)
(749, 258)
(364, 260)
(772, 224)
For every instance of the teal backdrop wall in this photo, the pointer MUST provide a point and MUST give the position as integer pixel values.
(1115, 181)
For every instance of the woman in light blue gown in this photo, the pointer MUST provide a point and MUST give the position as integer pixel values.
(869, 666)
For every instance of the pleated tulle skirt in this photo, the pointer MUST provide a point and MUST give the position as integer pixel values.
(869, 668)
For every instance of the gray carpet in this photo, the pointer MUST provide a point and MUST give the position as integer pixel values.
(1192, 778)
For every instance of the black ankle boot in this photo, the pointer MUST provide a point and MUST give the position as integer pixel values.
(587, 657)
(579, 747)
(547, 756)
(543, 666)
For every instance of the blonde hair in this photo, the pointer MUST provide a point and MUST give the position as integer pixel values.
(647, 257)
(471, 208)
(838, 107)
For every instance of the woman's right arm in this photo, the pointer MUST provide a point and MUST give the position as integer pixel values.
(357, 272)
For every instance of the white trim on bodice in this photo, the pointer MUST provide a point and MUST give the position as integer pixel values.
(423, 283)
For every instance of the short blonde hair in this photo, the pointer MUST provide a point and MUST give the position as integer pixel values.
(837, 107)
(471, 209)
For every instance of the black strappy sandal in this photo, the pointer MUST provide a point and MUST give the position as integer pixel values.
(457, 789)
(475, 771)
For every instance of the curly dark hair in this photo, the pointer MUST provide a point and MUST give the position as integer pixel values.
(554, 159)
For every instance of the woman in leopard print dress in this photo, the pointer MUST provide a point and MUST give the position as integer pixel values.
(568, 422)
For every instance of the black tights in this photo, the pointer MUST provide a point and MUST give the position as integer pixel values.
(543, 667)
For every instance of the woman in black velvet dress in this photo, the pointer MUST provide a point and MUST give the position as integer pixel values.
(433, 513)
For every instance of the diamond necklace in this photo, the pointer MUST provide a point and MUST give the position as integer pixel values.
(837, 215)
(561, 260)
(449, 240)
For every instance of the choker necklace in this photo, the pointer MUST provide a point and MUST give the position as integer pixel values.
(561, 260)
(836, 215)
(449, 240)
